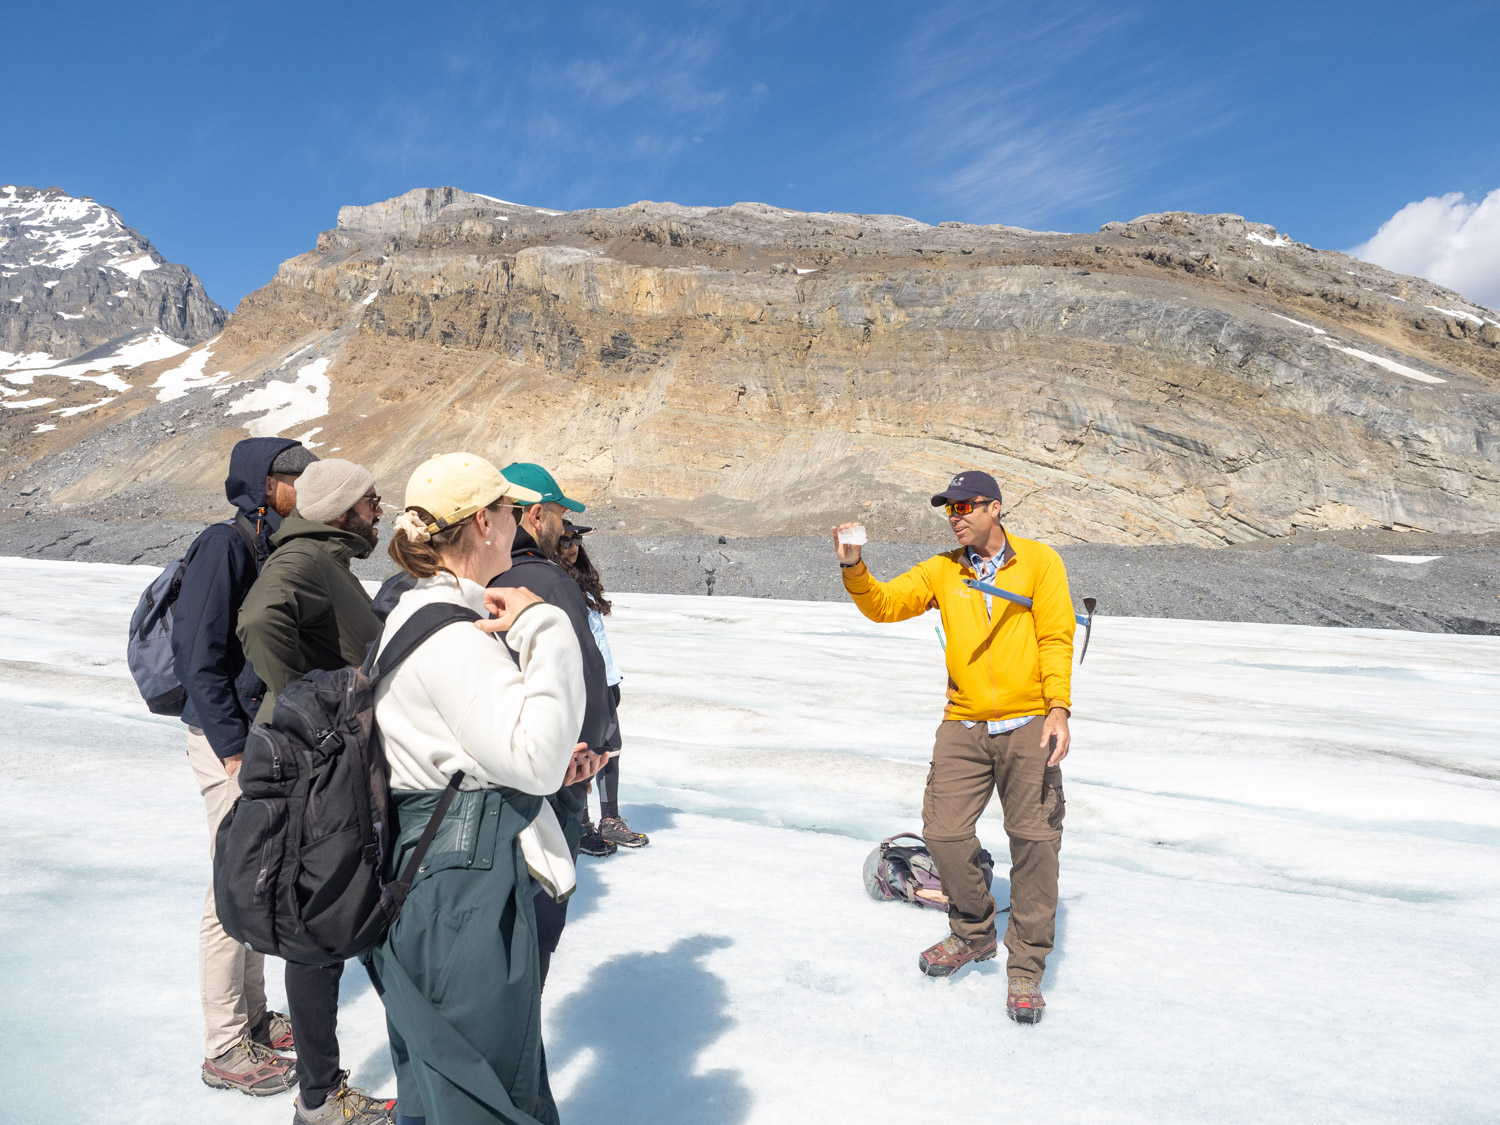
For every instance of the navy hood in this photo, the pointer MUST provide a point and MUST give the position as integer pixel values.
(249, 465)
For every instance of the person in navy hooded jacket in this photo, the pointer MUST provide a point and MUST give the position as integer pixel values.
(241, 1036)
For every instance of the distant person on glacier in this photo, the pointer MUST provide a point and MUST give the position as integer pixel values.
(241, 1037)
(308, 611)
(1005, 725)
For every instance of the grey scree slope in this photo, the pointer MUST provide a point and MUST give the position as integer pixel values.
(1318, 582)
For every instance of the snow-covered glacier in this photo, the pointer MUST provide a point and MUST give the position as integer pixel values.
(1280, 890)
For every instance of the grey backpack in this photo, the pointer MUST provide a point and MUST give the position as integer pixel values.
(907, 872)
(148, 650)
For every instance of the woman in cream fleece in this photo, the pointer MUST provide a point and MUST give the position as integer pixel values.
(458, 971)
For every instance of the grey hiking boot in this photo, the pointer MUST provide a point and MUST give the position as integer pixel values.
(251, 1069)
(1024, 1004)
(274, 1030)
(616, 831)
(347, 1106)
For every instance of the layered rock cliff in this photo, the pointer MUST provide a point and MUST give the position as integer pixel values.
(1177, 378)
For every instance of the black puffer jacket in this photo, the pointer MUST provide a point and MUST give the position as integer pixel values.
(531, 568)
(223, 690)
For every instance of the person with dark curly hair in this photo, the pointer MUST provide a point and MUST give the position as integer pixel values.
(611, 831)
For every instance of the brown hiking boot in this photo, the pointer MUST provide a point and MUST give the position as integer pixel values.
(952, 953)
(347, 1106)
(1025, 1003)
(251, 1069)
(274, 1030)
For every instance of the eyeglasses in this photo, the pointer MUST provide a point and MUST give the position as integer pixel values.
(964, 507)
(372, 498)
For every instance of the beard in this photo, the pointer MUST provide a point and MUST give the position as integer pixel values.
(549, 539)
(364, 528)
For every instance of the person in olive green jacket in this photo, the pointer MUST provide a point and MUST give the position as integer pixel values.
(307, 611)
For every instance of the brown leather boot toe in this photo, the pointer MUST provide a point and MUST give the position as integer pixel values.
(1024, 1004)
(952, 953)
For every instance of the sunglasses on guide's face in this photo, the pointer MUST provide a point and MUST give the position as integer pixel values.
(963, 507)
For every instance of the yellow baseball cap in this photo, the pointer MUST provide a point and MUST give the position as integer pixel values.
(456, 485)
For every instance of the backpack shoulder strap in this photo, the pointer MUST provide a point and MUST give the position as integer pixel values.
(420, 626)
(247, 535)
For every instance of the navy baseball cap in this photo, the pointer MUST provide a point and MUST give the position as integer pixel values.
(967, 485)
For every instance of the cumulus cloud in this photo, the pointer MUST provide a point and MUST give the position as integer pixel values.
(1446, 239)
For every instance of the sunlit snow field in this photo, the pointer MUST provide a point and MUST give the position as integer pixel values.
(1280, 889)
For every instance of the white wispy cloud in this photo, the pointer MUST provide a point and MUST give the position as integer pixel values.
(1014, 124)
(1444, 238)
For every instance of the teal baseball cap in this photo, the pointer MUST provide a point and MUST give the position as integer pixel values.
(538, 479)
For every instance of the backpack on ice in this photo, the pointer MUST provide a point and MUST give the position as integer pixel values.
(148, 649)
(907, 872)
(299, 863)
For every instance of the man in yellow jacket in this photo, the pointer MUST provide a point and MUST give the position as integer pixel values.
(1005, 726)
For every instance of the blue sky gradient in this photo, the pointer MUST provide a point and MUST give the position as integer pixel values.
(230, 134)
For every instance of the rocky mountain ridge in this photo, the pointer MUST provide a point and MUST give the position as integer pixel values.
(83, 295)
(1174, 379)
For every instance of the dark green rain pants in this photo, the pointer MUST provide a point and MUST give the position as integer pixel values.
(458, 971)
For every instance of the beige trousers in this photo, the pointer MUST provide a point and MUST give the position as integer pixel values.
(231, 978)
(968, 766)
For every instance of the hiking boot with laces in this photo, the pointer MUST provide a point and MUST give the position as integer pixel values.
(274, 1030)
(347, 1106)
(616, 831)
(952, 953)
(251, 1069)
(1025, 1003)
(594, 843)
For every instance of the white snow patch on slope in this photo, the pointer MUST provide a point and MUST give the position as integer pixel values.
(176, 382)
(303, 399)
(1458, 314)
(811, 269)
(44, 427)
(145, 348)
(71, 316)
(373, 294)
(134, 265)
(1279, 240)
(801, 732)
(70, 411)
(25, 404)
(1389, 364)
(1299, 324)
(1410, 558)
(88, 227)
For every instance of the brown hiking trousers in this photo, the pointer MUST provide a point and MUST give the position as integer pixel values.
(968, 764)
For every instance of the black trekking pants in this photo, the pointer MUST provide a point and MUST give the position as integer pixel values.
(312, 1000)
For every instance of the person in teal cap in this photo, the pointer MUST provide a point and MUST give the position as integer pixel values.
(534, 565)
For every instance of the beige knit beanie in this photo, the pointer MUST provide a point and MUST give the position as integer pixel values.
(327, 489)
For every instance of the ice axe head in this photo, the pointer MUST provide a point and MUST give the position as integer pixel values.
(1088, 625)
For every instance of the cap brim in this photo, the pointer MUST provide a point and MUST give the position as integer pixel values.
(571, 505)
(576, 528)
(521, 493)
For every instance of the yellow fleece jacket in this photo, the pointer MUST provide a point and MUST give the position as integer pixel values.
(1004, 663)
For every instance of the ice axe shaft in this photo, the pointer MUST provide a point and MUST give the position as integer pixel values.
(1084, 619)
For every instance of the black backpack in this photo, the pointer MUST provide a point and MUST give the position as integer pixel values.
(299, 863)
(148, 648)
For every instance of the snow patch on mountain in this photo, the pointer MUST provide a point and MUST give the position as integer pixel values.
(287, 404)
(100, 369)
(176, 382)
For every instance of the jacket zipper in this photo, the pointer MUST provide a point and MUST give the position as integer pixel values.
(265, 858)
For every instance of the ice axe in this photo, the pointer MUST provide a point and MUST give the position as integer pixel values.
(1084, 619)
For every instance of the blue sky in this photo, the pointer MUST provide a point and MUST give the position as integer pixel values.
(230, 134)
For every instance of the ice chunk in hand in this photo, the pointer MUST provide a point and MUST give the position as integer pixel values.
(853, 536)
